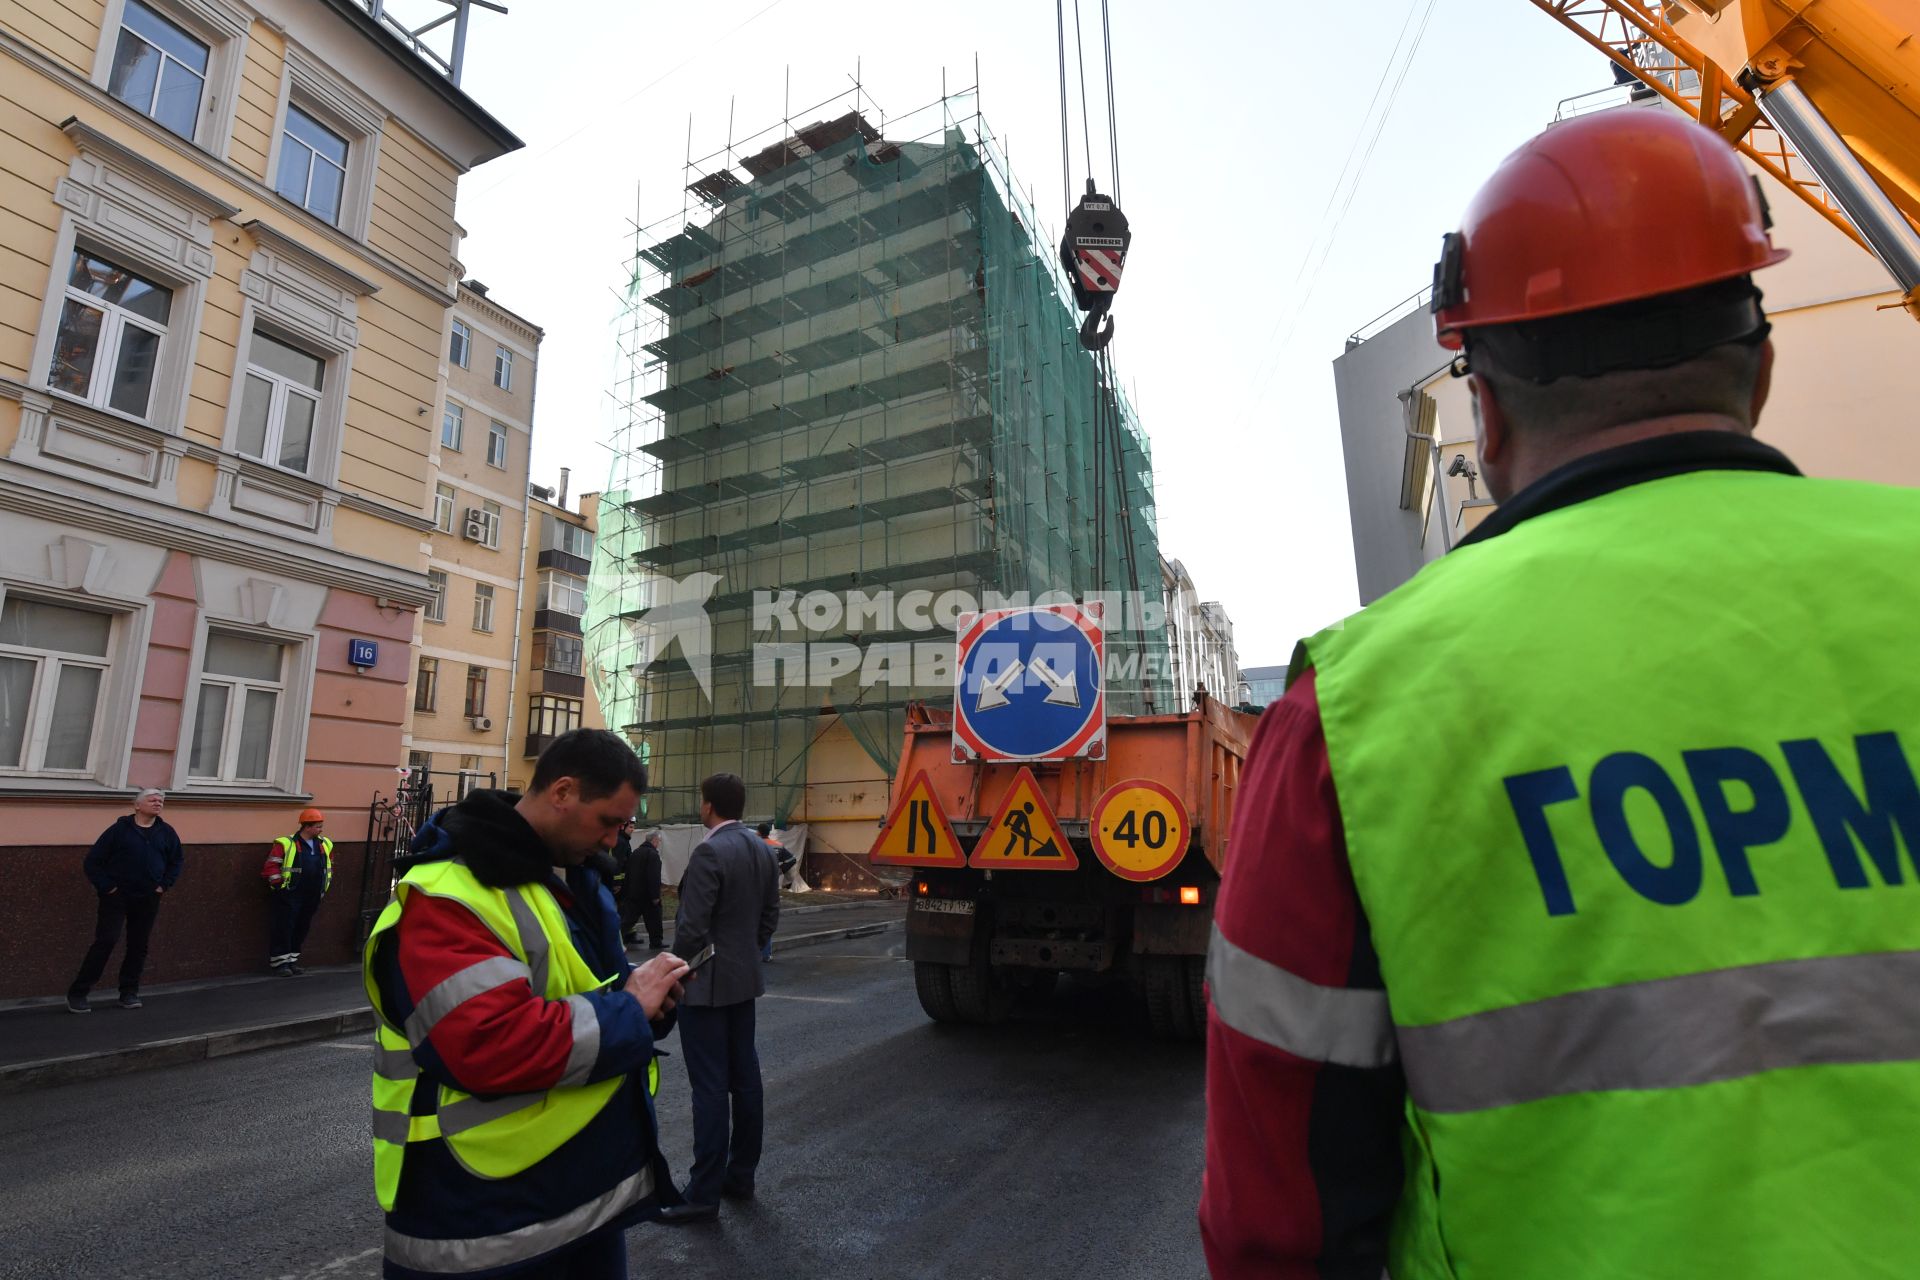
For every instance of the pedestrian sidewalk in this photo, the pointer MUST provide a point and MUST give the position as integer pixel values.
(42, 1044)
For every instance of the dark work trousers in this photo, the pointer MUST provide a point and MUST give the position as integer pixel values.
(136, 913)
(633, 910)
(289, 916)
(601, 1256)
(722, 1066)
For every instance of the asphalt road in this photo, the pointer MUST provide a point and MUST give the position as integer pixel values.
(1064, 1144)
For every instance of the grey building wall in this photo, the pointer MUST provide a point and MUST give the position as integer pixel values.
(1368, 379)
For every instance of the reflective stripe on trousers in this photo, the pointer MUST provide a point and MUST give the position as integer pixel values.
(479, 1253)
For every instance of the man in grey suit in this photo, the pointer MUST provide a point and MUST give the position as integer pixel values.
(729, 897)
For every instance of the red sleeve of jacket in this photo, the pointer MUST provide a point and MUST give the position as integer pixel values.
(1303, 1164)
(504, 1040)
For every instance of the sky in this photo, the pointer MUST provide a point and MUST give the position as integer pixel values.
(1287, 169)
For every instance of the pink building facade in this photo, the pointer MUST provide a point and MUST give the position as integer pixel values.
(245, 693)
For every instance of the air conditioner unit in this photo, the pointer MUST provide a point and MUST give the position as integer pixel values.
(476, 525)
(482, 723)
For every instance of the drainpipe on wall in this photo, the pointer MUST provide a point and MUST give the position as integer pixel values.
(520, 573)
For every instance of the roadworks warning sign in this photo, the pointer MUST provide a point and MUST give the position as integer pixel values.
(1024, 835)
(918, 834)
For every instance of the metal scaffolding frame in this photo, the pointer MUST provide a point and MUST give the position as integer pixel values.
(849, 364)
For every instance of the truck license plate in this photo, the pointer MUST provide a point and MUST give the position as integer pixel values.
(945, 906)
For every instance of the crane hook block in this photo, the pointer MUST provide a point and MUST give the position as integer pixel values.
(1093, 251)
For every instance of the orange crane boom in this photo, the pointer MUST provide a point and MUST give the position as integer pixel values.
(1824, 95)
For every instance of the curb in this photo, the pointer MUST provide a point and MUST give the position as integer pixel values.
(21, 1076)
(835, 935)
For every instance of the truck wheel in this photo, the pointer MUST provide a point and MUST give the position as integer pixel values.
(978, 995)
(1162, 983)
(935, 992)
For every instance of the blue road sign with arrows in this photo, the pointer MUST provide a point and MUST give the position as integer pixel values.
(1030, 684)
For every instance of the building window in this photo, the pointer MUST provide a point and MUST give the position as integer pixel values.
(443, 506)
(453, 425)
(279, 403)
(426, 687)
(482, 606)
(562, 592)
(436, 610)
(490, 515)
(476, 691)
(556, 652)
(460, 349)
(53, 671)
(470, 776)
(549, 717)
(158, 69)
(112, 323)
(503, 368)
(572, 539)
(237, 715)
(497, 445)
(313, 166)
(419, 764)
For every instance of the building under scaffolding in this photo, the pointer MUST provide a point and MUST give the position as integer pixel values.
(851, 367)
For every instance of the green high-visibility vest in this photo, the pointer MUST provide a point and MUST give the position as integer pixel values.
(289, 852)
(1629, 796)
(492, 1137)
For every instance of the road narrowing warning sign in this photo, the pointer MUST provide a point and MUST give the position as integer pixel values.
(1024, 835)
(918, 834)
(1139, 829)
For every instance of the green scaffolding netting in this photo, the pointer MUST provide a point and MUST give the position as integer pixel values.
(854, 370)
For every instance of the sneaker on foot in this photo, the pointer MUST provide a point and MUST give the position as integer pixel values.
(78, 1004)
(283, 970)
(130, 1001)
(296, 969)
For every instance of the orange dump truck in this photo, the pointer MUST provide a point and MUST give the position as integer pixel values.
(1023, 871)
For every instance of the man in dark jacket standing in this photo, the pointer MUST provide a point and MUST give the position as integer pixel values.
(643, 883)
(132, 863)
(730, 898)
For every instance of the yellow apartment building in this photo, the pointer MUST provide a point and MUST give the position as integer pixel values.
(226, 262)
(557, 570)
(466, 666)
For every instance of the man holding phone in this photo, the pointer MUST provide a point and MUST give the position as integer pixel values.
(729, 907)
(514, 1066)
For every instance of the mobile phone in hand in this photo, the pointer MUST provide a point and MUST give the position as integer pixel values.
(705, 954)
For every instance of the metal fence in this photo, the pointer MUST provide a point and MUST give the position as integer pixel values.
(392, 823)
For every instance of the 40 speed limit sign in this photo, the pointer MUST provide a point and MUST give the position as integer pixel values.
(1140, 829)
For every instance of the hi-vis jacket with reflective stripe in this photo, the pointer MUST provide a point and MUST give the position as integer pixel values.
(502, 1161)
(282, 866)
(1630, 802)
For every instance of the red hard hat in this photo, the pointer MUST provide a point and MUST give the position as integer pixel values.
(311, 815)
(1607, 208)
